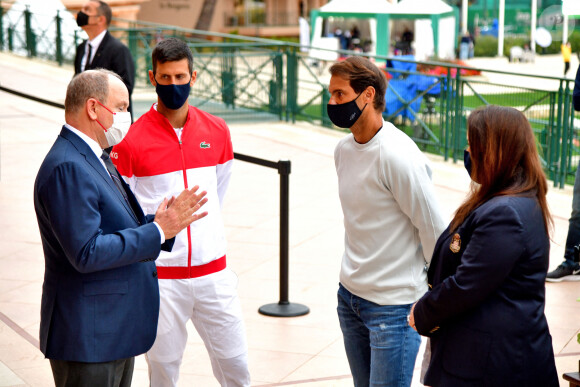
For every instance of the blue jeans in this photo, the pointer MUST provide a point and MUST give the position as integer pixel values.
(380, 345)
(573, 237)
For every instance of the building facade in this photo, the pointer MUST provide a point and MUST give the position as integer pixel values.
(262, 18)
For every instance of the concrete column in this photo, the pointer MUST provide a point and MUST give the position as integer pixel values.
(464, 17)
(534, 25)
(500, 33)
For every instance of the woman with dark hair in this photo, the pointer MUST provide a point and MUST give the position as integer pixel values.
(484, 312)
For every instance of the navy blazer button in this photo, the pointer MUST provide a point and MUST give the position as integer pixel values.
(154, 274)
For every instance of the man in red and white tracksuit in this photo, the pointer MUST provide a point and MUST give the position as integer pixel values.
(171, 147)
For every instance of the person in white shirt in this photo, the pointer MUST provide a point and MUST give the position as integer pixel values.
(392, 221)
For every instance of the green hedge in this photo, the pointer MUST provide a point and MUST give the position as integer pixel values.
(487, 45)
(554, 48)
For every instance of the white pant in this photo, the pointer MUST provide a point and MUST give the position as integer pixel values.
(212, 304)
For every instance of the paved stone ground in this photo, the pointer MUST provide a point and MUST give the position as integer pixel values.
(302, 351)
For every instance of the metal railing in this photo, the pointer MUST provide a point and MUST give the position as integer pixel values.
(253, 79)
(52, 37)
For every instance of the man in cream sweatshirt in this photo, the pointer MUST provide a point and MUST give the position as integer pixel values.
(392, 221)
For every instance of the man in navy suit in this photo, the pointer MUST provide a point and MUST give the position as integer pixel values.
(102, 50)
(100, 298)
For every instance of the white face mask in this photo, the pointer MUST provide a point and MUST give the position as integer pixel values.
(119, 129)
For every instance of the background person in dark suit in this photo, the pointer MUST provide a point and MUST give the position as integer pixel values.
(106, 52)
(100, 298)
(485, 310)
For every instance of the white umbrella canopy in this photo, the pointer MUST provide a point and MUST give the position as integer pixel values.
(422, 7)
(359, 6)
(571, 7)
(434, 22)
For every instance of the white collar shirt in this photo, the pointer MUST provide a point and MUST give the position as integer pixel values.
(95, 147)
(95, 43)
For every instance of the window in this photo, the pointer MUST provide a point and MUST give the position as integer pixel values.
(250, 12)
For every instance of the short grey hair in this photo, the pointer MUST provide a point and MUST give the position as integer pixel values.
(104, 9)
(88, 84)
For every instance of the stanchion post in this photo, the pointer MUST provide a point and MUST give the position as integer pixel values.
(284, 171)
(284, 308)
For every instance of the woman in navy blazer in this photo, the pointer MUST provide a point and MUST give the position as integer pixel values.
(484, 312)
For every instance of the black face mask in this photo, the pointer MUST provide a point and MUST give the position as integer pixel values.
(467, 161)
(346, 114)
(173, 96)
(82, 19)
